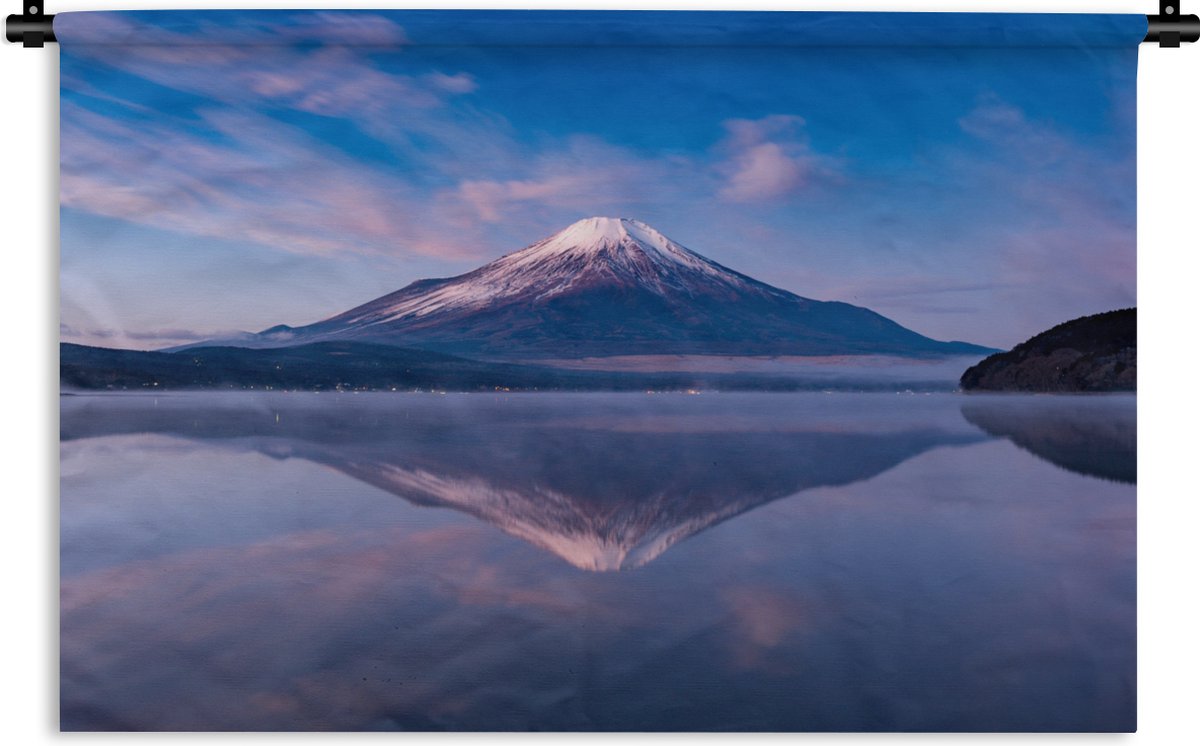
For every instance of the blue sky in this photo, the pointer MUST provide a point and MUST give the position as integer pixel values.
(967, 192)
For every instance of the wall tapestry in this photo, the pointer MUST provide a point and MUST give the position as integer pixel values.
(598, 371)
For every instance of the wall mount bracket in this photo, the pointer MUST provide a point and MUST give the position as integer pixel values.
(33, 28)
(1170, 27)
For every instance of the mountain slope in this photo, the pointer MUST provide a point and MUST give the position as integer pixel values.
(612, 286)
(1093, 353)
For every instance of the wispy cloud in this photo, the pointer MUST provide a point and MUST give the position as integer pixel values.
(234, 168)
(768, 158)
(1024, 227)
(584, 176)
(255, 181)
(141, 339)
(1076, 216)
(324, 78)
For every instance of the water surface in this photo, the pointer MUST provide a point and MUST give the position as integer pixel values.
(598, 562)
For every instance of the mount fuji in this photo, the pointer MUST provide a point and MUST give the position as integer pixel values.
(607, 287)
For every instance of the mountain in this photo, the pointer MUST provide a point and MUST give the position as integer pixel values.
(1089, 354)
(605, 287)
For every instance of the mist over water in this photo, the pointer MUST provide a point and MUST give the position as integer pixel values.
(598, 561)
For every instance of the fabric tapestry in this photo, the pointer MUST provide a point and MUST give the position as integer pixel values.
(617, 371)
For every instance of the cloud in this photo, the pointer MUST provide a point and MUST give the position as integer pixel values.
(335, 82)
(767, 159)
(69, 331)
(140, 339)
(241, 176)
(1072, 252)
(311, 63)
(763, 171)
(583, 177)
(993, 119)
(490, 198)
(214, 29)
(1012, 228)
(240, 167)
(458, 83)
(236, 164)
(358, 29)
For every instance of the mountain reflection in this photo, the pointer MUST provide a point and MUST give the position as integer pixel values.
(1091, 435)
(604, 482)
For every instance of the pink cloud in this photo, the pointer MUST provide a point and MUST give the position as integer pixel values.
(312, 68)
(585, 176)
(490, 198)
(139, 339)
(764, 171)
(312, 28)
(458, 83)
(767, 158)
(357, 29)
(1074, 217)
(167, 178)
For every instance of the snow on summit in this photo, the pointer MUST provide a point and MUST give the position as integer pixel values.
(599, 231)
(620, 245)
(597, 250)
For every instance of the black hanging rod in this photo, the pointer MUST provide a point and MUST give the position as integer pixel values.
(1169, 28)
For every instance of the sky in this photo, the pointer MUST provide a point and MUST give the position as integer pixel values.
(969, 192)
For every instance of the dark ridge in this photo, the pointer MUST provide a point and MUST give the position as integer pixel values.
(1090, 354)
(363, 366)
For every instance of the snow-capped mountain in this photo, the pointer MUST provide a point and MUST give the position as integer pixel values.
(597, 252)
(611, 286)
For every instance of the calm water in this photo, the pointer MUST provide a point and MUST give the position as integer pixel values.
(598, 562)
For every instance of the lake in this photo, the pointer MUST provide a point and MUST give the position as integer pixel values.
(809, 561)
